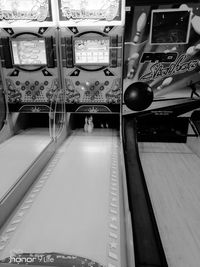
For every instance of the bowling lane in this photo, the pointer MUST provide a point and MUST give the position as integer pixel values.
(73, 207)
(18, 153)
(172, 175)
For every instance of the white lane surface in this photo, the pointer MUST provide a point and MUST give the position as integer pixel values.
(18, 153)
(172, 173)
(70, 214)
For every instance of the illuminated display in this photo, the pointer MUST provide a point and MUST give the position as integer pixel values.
(24, 9)
(90, 9)
(92, 51)
(170, 26)
(29, 52)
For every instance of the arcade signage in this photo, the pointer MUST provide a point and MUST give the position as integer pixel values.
(12, 10)
(166, 64)
(90, 9)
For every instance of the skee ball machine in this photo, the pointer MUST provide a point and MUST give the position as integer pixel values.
(161, 54)
(161, 59)
(91, 36)
(29, 56)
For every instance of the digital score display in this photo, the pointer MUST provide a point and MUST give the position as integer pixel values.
(92, 51)
(29, 52)
(170, 26)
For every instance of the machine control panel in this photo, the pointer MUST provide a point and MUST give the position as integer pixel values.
(108, 91)
(31, 90)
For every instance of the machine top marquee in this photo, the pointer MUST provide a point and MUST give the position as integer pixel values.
(27, 13)
(47, 13)
(85, 12)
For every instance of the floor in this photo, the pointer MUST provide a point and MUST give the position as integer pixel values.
(172, 175)
(74, 206)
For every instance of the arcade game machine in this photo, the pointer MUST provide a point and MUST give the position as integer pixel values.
(91, 36)
(75, 213)
(30, 85)
(29, 61)
(161, 130)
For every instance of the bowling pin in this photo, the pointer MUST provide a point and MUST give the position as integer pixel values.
(197, 47)
(86, 124)
(170, 50)
(131, 62)
(184, 7)
(191, 51)
(140, 26)
(174, 48)
(90, 124)
(195, 24)
(165, 83)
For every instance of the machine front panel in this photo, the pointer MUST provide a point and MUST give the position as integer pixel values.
(91, 38)
(29, 66)
(28, 54)
(92, 65)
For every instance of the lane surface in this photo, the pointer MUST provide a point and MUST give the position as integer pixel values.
(172, 173)
(18, 153)
(74, 206)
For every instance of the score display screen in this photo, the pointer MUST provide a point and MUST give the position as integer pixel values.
(92, 51)
(29, 52)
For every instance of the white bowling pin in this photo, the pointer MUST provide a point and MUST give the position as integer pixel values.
(165, 83)
(191, 51)
(86, 124)
(170, 50)
(184, 7)
(197, 47)
(140, 26)
(174, 48)
(195, 24)
(131, 63)
(90, 124)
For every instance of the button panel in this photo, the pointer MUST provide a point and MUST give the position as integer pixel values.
(31, 91)
(93, 91)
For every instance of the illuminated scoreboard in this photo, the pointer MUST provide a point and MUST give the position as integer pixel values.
(29, 53)
(91, 37)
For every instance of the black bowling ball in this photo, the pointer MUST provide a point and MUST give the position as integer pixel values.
(138, 96)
